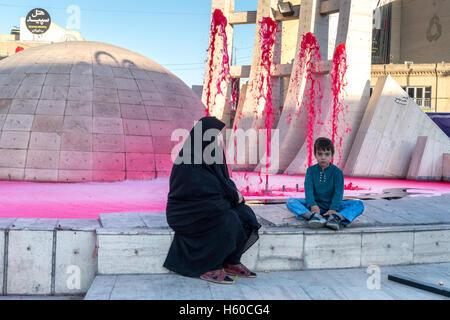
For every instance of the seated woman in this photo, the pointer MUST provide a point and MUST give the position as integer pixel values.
(213, 225)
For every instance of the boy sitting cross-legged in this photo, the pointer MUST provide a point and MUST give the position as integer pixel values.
(324, 189)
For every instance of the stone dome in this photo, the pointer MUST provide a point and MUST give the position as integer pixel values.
(89, 111)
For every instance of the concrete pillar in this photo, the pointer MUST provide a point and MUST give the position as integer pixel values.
(355, 30)
(292, 131)
(251, 116)
(220, 108)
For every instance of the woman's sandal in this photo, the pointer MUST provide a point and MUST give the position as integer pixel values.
(217, 276)
(239, 270)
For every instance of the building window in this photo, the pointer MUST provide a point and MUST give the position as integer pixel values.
(421, 95)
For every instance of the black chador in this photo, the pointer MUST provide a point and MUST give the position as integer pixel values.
(211, 227)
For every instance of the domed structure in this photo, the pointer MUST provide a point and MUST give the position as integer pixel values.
(89, 111)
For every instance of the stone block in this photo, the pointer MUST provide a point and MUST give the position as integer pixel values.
(57, 80)
(81, 68)
(48, 123)
(42, 159)
(54, 93)
(76, 264)
(8, 92)
(14, 139)
(138, 144)
(78, 124)
(387, 248)
(431, 246)
(79, 108)
(45, 141)
(61, 68)
(80, 94)
(130, 97)
(151, 99)
(2, 120)
(122, 73)
(101, 70)
(5, 105)
(330, 250)
(105, 95)
(74, 175)
(140, 74)
(28, 92)
(126, 84)
(147, 86)
(51, 107)
(160, 113)
(29, 262)
(122, 221)
(11, 174)
(163, 145)
(106, 110)
(280, 252)
(108, 176)
(163, 162)
(34, 79)
(140, 162)
(105, 82)
(76, 141)
(13, 158)
(107, 125)
(108, 161)
(163, 174)
(41, 175)
(18, 122)
(136, 127)
(132, 254)
(23, 106)
(140, 175)
(82, 81)
(108, 142)
(131, 111)
(75, 160)
(161, 128)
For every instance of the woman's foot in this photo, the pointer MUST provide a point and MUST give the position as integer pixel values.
(217, 276)
(239, 270)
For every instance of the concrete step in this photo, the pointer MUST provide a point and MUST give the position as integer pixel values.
(334, 284)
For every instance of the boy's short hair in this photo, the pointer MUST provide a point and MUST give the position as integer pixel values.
(323, 144)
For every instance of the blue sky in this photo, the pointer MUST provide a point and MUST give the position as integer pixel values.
(172, 33)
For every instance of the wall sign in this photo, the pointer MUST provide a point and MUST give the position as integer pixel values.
(38, 21)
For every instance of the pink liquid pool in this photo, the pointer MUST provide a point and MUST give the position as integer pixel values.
(88, 200)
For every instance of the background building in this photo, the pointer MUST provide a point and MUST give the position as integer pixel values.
(22, 37)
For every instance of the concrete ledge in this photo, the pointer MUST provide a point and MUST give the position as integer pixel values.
(143, 251)
(62, 257)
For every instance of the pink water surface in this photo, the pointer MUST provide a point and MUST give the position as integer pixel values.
(88, 200)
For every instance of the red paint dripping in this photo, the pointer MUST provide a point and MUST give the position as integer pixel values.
(350, 186)
(338, 83)
(309, 61)
(18, 49)
(218, 26)
(268, 31)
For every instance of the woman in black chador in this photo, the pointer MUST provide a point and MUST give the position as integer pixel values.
(213, 225)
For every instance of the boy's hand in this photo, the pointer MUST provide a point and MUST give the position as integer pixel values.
(329, 212)
(315, 209)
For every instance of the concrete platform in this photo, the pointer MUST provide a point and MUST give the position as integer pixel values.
(62, 257)
(334, 284)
